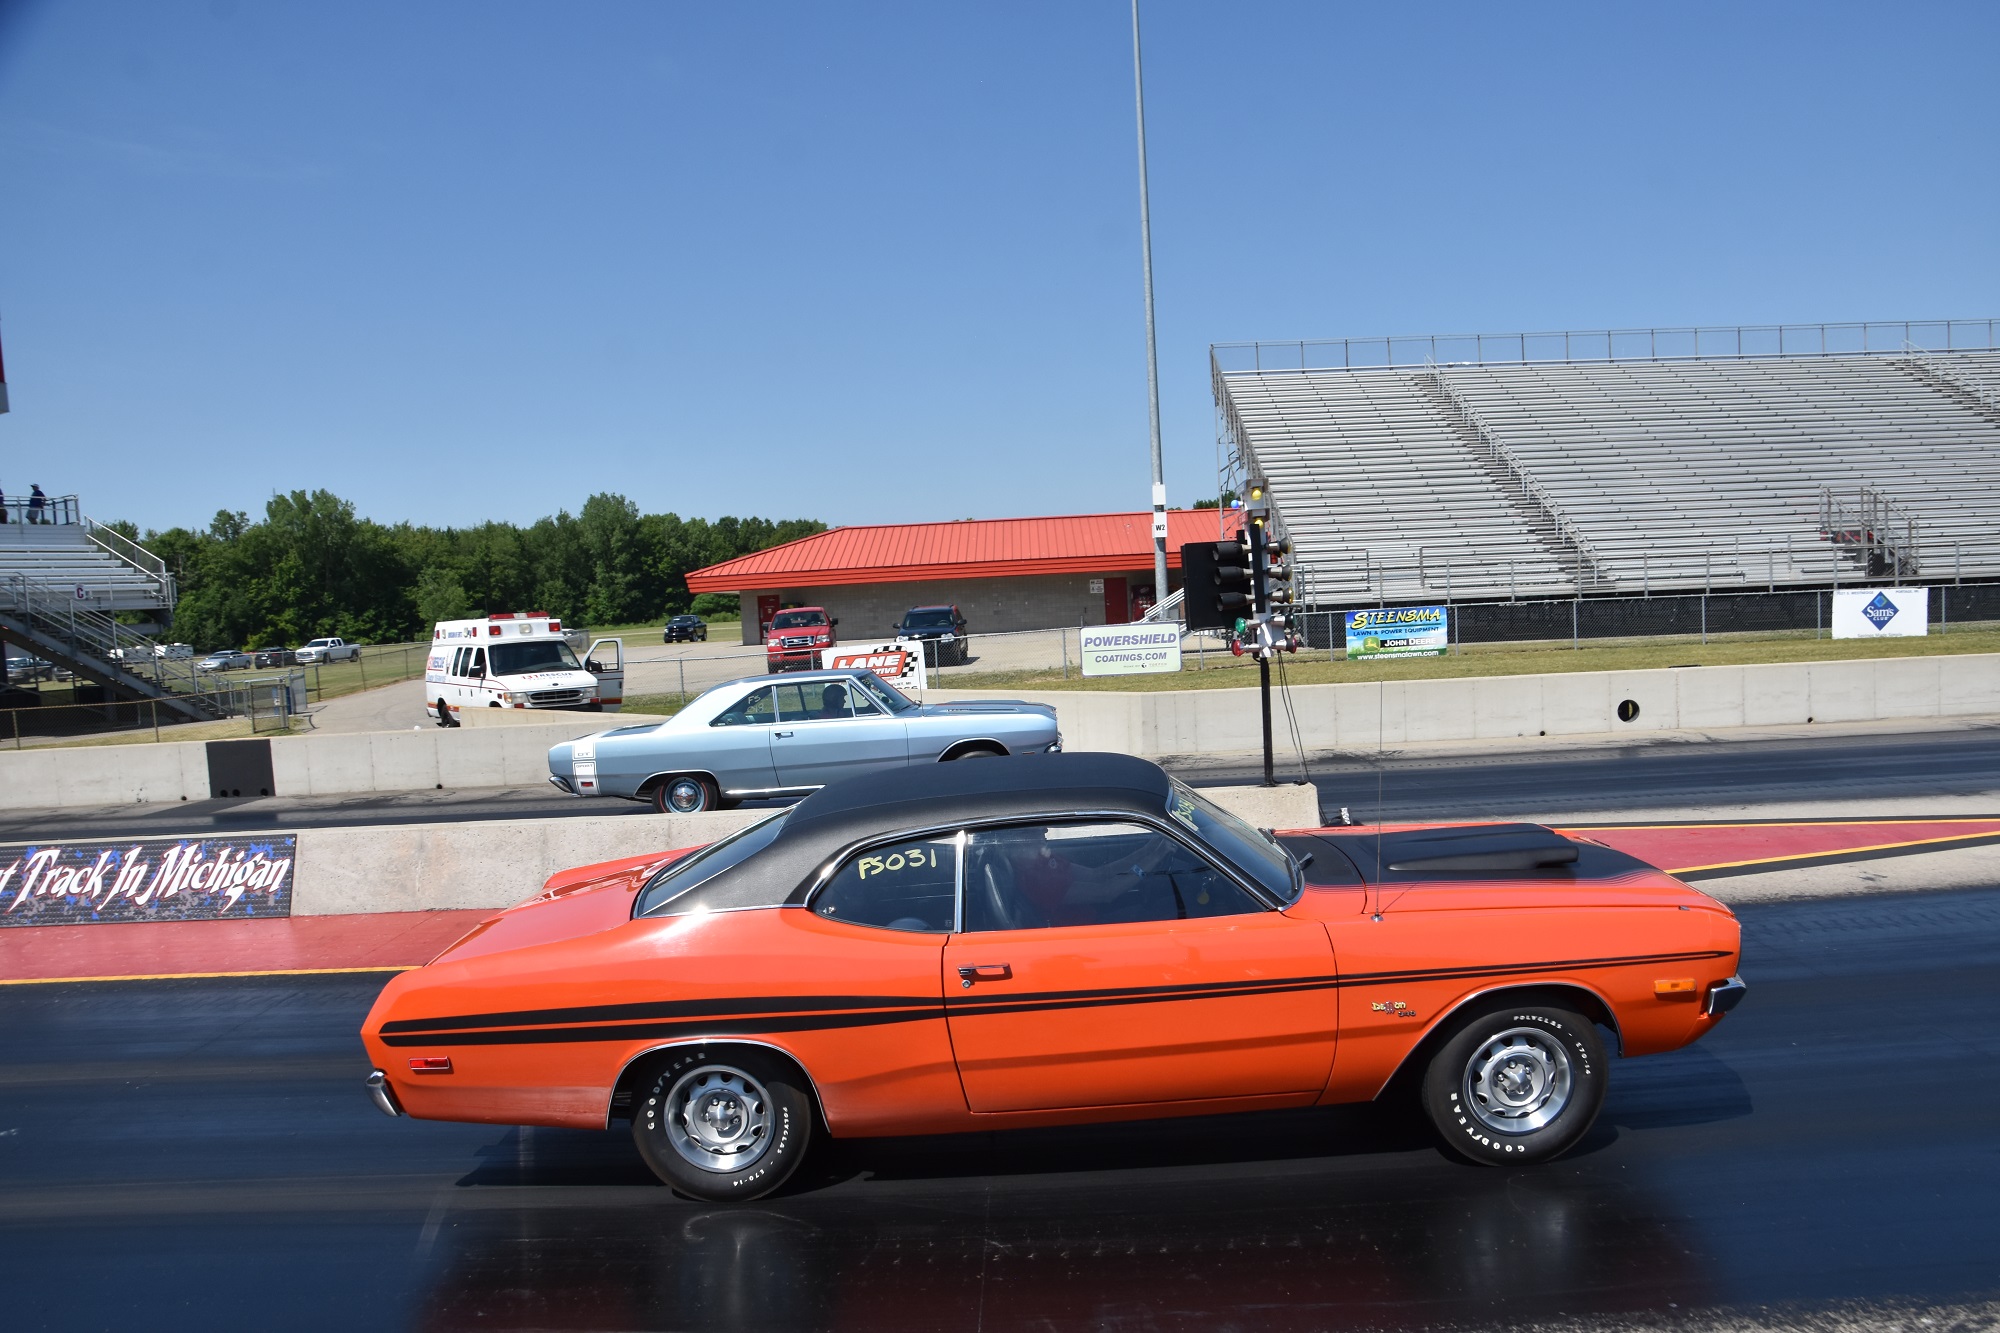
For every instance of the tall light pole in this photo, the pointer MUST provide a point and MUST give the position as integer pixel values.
(1152, 348)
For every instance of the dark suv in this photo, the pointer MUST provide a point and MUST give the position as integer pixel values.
(685, 629)
(941, 630)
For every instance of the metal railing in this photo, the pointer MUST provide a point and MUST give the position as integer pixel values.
(1941, 371)
(1884, 337)
(54, 509)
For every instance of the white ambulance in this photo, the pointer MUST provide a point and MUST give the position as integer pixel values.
(520, 659)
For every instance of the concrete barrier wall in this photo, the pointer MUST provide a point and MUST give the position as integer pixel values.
(1154, 724)
(309, 765)
(497, 863)
(1392, 713)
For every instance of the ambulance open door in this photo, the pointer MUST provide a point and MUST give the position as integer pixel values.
(606, 661)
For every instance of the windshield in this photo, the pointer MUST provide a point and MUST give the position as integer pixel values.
(1251, 850)
(927, 620)
(798, 620)
(892, 698)
(704, 865)
(514, 659)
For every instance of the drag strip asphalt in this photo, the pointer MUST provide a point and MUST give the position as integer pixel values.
(1863, 769)
(200, 1154)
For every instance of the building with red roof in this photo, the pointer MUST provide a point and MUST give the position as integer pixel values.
(1003, 574)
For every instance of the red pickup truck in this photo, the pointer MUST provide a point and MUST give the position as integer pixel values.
(795, 636)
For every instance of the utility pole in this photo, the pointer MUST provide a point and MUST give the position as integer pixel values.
(1152, 348)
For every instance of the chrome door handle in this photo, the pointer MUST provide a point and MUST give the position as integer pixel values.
(781, 735)
(984, 972)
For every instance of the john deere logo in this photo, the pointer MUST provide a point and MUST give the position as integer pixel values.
(1880, 611)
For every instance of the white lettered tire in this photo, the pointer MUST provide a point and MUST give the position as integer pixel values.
(724, 1123)
(1516, 1083)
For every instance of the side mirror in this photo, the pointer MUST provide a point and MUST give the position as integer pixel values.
(477, 673)
(834, 621)
(592, 665)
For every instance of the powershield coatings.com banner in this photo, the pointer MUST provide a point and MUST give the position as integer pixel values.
(1128, 650)
(147, 879)
(1399, 631)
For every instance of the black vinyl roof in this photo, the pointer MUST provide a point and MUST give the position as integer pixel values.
(927, 796)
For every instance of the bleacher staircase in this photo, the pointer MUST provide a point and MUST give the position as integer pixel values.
(63, 578)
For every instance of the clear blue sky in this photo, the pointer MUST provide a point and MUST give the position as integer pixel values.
(875, 262)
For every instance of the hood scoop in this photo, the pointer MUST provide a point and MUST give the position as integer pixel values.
(1483, 849)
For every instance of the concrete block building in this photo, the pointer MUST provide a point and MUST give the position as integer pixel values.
(1003, 574)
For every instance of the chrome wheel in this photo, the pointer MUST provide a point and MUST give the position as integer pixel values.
(685, 796)
(1518, 1081)
(718, 1118)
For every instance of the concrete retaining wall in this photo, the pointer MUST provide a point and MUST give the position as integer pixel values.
(309, 765)
(1154, 724)
(497, 863)
(1391, 713)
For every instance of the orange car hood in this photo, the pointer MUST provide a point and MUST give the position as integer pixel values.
(573, 903)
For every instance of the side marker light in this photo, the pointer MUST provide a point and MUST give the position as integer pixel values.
(441, 1064)
(1677, 986)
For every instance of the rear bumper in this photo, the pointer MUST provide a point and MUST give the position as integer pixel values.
(382, 1094)
(1723, 996)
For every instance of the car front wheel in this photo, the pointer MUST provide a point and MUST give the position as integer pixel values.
(1520, 1083)
(723, 1125)
(685, 795)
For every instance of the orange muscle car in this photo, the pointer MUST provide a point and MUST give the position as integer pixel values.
(1052, 939)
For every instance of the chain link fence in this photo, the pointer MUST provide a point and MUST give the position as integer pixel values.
(1691, 614)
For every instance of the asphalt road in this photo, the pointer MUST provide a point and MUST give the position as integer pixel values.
(200, 1155)
(1863, 769)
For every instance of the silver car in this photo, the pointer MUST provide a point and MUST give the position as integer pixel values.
(755, 738)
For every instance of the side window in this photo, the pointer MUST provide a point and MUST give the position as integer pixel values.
(815, 701)
(753, 709)
(459, 660)
(478, 662)
(864, 703)
(897, 885)
(1088, 875)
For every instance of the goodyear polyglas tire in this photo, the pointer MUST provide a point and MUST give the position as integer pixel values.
(724, 1124)
(1516, 1083)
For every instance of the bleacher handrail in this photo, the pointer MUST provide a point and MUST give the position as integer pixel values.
(1699, 343)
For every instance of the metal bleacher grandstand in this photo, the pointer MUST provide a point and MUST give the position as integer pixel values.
(1625, 462)
(63, 581)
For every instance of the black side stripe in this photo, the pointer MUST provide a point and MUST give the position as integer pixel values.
(817, 1013)
(613, 1013)
(628, 1031)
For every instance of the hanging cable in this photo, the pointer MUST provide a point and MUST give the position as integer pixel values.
(1291, 718)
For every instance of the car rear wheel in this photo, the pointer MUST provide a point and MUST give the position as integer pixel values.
(1516, 1083)
(686, 794)
(723, 1125)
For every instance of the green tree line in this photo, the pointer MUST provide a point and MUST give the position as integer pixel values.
(310, 567)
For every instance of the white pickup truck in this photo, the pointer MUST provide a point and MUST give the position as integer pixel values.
(329, 650)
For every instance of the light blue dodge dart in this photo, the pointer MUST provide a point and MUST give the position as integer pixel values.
(754, 738)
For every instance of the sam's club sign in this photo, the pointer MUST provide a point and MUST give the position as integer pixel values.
(1881, 613)
(1399, 631)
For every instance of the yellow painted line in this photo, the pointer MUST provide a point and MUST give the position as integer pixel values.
(1836, 851)
(184, 976)
(1768, 824)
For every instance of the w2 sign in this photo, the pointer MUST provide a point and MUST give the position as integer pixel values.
(147, 879)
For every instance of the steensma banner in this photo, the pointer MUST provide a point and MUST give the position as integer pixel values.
(147, 879)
